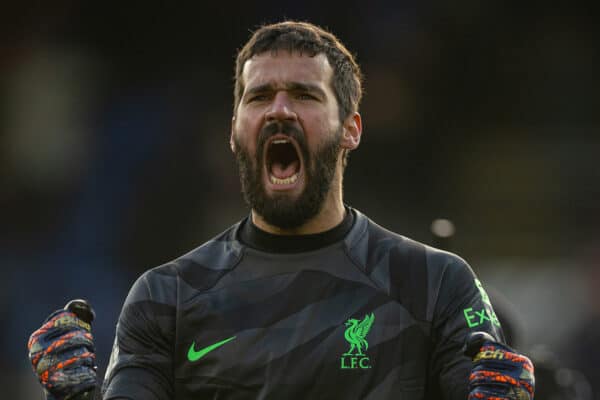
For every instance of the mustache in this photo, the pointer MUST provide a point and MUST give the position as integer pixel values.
(285, 127)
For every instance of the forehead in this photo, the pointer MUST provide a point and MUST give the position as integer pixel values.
(285, 67)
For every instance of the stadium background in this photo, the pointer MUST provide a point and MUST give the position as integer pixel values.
(114, 157)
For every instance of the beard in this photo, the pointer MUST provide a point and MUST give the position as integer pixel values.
(282, 210)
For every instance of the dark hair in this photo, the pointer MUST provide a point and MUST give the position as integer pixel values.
(305, 38)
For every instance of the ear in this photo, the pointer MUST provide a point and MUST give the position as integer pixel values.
(352, 130)
(231, 141)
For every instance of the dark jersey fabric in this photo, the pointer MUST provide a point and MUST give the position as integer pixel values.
(280, 313)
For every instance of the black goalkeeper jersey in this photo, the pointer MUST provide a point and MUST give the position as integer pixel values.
(356, 313)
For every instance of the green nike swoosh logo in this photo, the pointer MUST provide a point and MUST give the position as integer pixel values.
(194, 355)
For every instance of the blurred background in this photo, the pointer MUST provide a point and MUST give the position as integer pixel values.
(114, 155)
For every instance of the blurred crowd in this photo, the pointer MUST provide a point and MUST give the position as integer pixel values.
(114, 154)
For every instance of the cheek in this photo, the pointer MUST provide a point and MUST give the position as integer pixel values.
(319, 129)
(246, 131)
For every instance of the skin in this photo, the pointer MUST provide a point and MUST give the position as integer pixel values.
(297, 88)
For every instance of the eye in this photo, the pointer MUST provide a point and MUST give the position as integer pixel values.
(306, 96)
(258, 97)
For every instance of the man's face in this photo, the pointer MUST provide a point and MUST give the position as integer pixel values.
(286, 136)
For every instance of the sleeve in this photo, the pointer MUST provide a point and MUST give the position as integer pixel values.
(462, 307)
(141, 363)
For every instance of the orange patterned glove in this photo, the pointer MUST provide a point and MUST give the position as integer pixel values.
(61, 352)
(499, 372)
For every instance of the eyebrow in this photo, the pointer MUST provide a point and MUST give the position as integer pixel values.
(290, 86)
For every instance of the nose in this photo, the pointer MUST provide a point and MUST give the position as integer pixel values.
(281, 108)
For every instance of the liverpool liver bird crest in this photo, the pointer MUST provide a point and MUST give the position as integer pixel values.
(356, 333)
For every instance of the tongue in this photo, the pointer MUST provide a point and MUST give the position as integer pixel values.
(281, 172)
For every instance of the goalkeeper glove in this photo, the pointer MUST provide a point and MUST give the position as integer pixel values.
(62, 354)
(499, 372)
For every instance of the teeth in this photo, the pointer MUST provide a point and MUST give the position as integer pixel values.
(280, 141)
(286, 181)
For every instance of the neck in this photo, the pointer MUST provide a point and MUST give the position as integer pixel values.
(331, 214)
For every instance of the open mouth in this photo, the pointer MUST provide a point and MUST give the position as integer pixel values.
(283, 161)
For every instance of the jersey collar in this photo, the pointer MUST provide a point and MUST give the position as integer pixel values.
(254, 237)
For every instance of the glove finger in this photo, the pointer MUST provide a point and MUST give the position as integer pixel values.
(74, 357)
(502, 357)
(61, 344)
(68, 369)
(510, 394)
(500, 386)
(55, 325)
(62, 320)
(483, 394)
(65, 319)
(67, 382)
(492, 378)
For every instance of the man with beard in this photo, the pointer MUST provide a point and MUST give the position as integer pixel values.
(306, 298)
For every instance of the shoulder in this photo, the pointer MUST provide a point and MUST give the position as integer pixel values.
(377, 246)
(410, 271)
(200, 267)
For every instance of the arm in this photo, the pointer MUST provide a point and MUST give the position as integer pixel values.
(141, 364)
(462, 307)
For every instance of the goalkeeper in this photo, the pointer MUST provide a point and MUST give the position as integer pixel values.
(306, 298)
